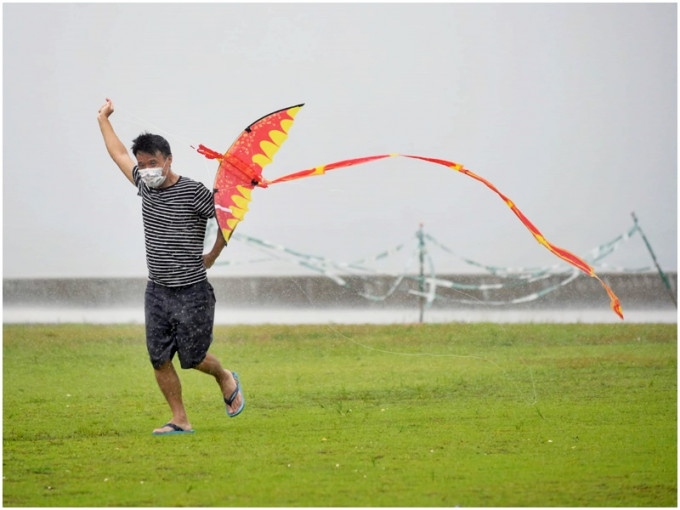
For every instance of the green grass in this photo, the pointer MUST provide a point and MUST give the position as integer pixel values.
(429, 415)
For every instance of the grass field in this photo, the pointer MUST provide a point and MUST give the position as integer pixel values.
(422, 415)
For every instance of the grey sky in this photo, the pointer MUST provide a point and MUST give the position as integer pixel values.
(569, 109)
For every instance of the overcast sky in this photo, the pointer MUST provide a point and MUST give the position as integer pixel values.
(570, 110)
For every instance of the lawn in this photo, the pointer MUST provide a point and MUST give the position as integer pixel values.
(353, 415)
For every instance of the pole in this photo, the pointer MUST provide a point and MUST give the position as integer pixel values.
(421, 279)
(656, 263)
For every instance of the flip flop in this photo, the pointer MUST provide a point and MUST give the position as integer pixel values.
(233, 396)
(175, 430)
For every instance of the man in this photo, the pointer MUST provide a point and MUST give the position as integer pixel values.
(179, 303)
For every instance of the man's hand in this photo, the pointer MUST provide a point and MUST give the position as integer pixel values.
(210, 258)
(105, 111)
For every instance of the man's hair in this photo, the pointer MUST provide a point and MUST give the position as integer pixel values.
(149, 143)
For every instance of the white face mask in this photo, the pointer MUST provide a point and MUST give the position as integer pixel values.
(152, 177)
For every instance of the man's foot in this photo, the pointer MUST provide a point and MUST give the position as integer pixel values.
(171, 428)
(233, 397)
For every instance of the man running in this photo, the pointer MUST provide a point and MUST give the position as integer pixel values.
(179, 304)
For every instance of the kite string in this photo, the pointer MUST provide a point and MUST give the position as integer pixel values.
(185, 141)
(146, 123)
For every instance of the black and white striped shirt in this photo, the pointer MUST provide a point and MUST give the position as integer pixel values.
(174, 228)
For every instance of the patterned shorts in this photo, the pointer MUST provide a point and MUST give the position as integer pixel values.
(179, 320)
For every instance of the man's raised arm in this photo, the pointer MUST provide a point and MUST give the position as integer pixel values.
(116, 149)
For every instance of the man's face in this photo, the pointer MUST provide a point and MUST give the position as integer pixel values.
(146, 160)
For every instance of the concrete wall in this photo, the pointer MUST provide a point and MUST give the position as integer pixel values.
(637, 291)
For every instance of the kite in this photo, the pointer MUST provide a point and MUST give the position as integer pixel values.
(240, 171)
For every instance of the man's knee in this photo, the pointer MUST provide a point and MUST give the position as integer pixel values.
(165, 365)
(202, 365)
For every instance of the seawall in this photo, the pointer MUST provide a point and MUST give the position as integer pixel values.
(636, 291)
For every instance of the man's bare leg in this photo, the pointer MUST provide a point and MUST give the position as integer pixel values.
(212, 366)
(171, 387)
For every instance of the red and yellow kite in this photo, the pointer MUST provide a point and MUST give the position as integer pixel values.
(241, 168)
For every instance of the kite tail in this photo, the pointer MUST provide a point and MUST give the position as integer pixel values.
(560, 252)
(565, 255)
(320, 170)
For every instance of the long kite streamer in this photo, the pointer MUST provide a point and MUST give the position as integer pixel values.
(241, 168)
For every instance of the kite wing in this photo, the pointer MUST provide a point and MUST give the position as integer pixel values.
(241, 166)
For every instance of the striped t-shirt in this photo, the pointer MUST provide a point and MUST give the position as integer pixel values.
(174, 228)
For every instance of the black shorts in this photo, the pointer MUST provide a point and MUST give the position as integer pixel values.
(179, 320)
